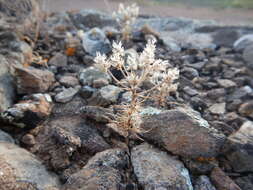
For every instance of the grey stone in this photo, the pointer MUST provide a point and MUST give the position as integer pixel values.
(241, 93)
(248, 56)
(105, 96)
(203, 183)
(225, 83)
(66, 95)
(243, 42)
(183, 132)
(87, 91)
(238, 148)
(75, 126)
(155, 169)
(5, 137)
(58, 60)
(88, 75)
(103, 171)
(219, 108)
(170, 43)
(190, 73)
(69, 81)
(190, 91)
(95, 41)
(245, 182)
(7, 88)
(19, 164)
(97, 113)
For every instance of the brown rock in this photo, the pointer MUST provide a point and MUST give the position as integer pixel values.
(28, 139)
(69, 81)
(183, 132)
(246, 109)
(31, 80)
(222, 181)
(37, 107)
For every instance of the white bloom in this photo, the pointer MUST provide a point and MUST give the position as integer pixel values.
(101, 62)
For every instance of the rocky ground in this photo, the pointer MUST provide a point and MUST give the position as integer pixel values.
(55, 105)
(231, 16)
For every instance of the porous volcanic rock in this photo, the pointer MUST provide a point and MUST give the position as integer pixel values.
(103, 171)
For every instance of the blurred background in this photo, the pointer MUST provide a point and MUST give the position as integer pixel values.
(232, 12)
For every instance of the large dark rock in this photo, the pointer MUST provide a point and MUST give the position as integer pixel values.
(21, 170)
(155, 169)
(61, 137)
(183, 132)
(245, 182)
(103, 171)
(29, 112)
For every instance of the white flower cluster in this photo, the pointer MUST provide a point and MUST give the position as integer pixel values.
(137, 70)
(126, 17)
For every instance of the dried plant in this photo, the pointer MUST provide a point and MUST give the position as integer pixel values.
(126, 17)
(136, 71)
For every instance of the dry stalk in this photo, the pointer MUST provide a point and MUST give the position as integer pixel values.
(126, 17)
(136, 71)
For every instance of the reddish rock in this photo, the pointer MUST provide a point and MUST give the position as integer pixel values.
(222, 181)
(31, 80)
